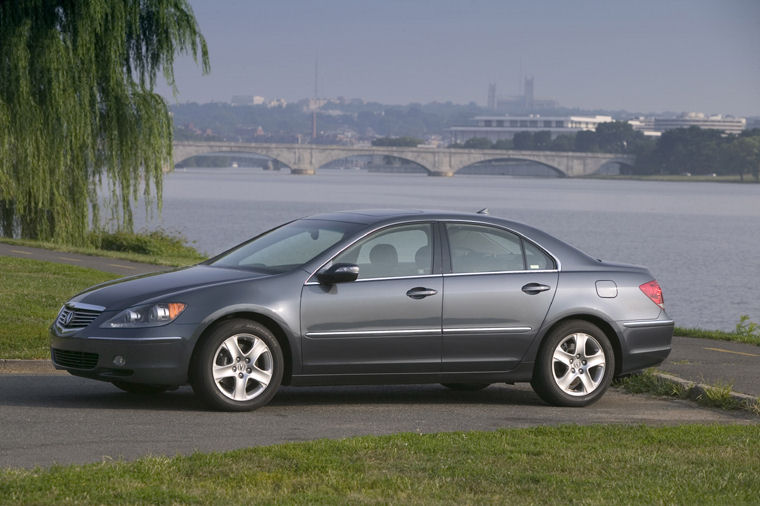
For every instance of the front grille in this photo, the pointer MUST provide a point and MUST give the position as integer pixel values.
(75, 318)
(74, 359)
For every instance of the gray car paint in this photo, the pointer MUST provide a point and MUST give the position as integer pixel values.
(161, 355)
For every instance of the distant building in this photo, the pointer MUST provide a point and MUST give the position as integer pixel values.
(726, 124)
(521, 104)
(753, 123)
(645, 126)
(247, 100)
(495, 128)
(491, 96)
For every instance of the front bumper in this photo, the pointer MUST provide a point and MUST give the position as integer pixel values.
(160, 360)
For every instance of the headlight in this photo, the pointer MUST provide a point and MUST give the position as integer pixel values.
(150, 315)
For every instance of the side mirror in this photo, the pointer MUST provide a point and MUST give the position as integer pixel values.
(338, 273)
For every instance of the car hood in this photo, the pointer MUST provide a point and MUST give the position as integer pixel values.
(126, 292)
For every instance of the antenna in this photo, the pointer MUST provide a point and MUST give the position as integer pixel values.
(483, 211)
(316, 76)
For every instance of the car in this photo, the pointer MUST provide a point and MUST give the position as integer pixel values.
(372, 297)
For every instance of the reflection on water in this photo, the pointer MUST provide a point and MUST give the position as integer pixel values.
(700, 240)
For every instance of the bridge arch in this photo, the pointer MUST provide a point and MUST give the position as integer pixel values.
(604, 169)
(422, 168)
(555, 170)
(180, 155)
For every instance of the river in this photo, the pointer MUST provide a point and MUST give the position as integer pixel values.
(700, 240)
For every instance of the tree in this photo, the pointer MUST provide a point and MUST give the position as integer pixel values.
(564, 142)
(586, 141)
(542, 140)
(741, 156)
(502, 144)
(78, 111)
(617, 137)
(397, 141)
(523, 140)
(477, 143)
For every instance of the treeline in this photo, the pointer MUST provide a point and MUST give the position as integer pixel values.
(363, 121)
(681, 151)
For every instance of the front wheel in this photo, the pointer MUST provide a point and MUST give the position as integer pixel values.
(238, 367)
(574, 366)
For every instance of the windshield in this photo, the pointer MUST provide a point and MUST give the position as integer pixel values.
(287, 247)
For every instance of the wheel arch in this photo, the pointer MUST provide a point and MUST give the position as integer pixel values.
(264, 320)
(603, 325)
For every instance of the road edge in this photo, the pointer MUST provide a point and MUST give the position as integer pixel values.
(17, 366)
(698, 391)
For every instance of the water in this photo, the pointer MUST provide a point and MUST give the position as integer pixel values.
(700, 240)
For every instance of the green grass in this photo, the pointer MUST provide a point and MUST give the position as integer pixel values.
(748, 338)
(648, 383)
(31, 293)
(544, 465)
(713, 396)
(155, 247)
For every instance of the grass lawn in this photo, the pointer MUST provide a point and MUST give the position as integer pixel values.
(31, 293)
(747, 337)
(544, 465)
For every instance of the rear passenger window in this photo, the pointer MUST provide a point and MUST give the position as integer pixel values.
(483, 249)
(476, 248)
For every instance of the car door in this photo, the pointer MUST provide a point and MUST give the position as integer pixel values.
(386, 321)
(497, 292)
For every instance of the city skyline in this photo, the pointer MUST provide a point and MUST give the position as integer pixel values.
(644, 56)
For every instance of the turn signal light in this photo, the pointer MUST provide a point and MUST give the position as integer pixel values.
(653, 291)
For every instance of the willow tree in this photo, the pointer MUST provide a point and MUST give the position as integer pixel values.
(78, 113)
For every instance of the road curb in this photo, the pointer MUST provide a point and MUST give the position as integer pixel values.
(13, 366)
(697, 391)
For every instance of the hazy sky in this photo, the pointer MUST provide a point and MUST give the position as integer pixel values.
(639, 55)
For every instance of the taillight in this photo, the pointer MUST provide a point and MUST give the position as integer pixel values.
(653, 291)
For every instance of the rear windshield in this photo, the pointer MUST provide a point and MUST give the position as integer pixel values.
(287, 247)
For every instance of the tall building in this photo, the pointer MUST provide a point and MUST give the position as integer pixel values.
(495, 128)
(526, 103)
(491, 96)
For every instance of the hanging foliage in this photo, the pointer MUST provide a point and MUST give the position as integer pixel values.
(78, 112)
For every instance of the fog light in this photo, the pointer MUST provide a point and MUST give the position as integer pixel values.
(119, 361)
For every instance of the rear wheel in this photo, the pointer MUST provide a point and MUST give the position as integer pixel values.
(466, 387)
(238, 367)
(575, 365)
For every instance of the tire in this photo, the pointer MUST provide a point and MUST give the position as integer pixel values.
(142, 389)
(237, 367)
(466, 387)
(574, 366)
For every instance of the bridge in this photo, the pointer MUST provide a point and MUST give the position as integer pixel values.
(307, 158)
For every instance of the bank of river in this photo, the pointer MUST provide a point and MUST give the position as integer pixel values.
(701, 241)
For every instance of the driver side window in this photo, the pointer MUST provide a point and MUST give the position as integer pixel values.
(394, 252)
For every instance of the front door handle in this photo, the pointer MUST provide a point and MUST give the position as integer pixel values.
(420, 292)
(534, 288)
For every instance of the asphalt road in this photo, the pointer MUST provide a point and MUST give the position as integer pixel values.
(716, 363)
(48, 419)
(114, 265)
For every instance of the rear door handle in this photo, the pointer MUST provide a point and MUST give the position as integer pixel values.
(420, 292)
(534, 288)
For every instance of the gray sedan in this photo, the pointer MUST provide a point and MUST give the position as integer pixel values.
(372, 297)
